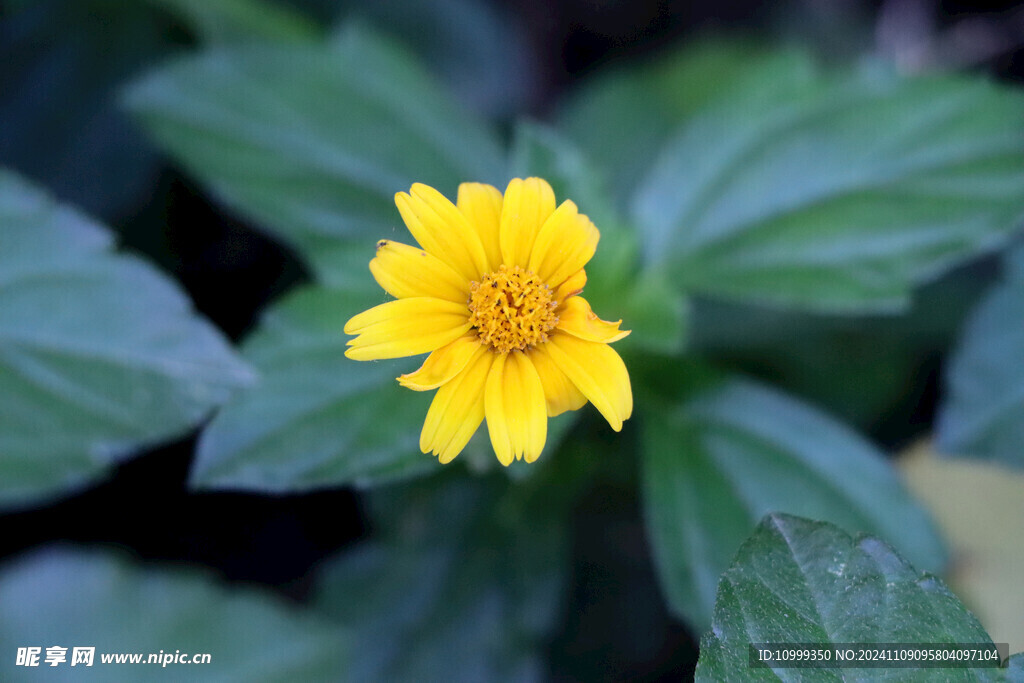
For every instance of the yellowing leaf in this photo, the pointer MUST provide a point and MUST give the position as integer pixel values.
(979, 507)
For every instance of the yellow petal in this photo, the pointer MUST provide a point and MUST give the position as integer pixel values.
(515, 408)
(444, 364)
(456, 411)
(572, 286)
(566, 242)
(597, 371)
(481, 205)
(405, 271)
(526, 206)
(560, 393)
(406, 327)
(442, 230)
(576, 318)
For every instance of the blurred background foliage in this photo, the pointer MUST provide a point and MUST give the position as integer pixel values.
(808, 212)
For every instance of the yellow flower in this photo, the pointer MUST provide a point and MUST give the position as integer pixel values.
(493, 295)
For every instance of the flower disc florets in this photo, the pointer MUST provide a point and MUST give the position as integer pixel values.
(511, 309)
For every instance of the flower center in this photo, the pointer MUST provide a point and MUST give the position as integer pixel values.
(511, 309)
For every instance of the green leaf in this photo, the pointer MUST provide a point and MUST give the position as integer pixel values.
(623, 117)
(800, 581)
(616, 289)
(865, 370)
(65, 598)
(1015, 669)
(479, 48)
(1013, 262)
(983, 406)
(463, 583)
(656, 313)
(839, 198)
(84, 150)
(316, 418)
(312, 142)
(720, 460)
(539, 150)
(227, 21)
(99, 353)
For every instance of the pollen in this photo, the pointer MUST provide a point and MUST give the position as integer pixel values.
(511, 308)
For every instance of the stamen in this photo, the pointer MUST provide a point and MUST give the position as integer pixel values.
(511, 308)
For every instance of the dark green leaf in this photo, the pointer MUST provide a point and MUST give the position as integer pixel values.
(1015, 670)
(464, 583)
(316, 418)
(538, 150)
(932, 323)
(841, 198)
(623, 118)
(60, 64)
(865, 370)
(99, 353)
(59, 597)
(227, 21)
(721, 460)
(799, 581)
(312, 142)
(1013, 262)
(657, 314)
(478, 48)
(982, 414)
